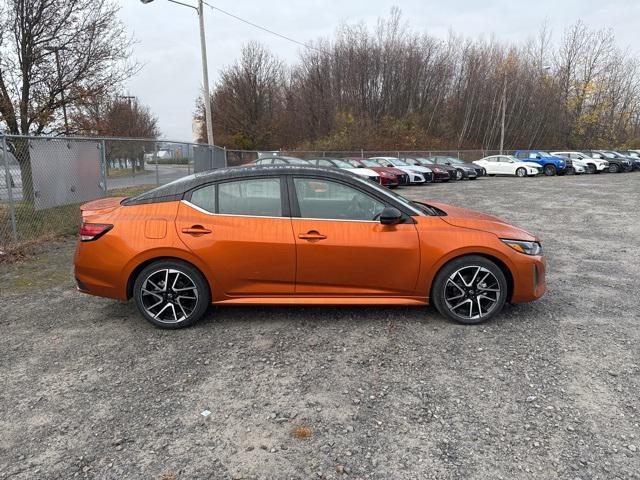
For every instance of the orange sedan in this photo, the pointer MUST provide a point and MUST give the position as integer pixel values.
(295, 234)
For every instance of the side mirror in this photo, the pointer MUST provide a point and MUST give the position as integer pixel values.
(390, 216)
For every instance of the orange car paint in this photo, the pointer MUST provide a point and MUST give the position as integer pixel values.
(263, 260)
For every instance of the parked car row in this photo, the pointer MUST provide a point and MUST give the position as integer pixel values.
(391, 172)
(524, 163)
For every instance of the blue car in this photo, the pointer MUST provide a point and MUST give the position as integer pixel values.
(550, 164)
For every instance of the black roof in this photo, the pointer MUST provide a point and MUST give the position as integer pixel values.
(176, 189)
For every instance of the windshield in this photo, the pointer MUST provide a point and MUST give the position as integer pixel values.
(371, 163)
(295, 161)
(455, 160)
(428, 161)
(342, 164)
(545, 154)
(608, 154)
(398, 162)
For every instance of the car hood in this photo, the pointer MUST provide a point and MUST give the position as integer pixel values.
(465, 218)
(393, 170)
(362, 171)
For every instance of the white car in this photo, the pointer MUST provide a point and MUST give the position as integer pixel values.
(592, 165)
(417, 174)
(508, 165)
(344, 165)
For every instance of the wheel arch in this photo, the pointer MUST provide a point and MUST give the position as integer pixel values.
(143, 263)
(500, 264)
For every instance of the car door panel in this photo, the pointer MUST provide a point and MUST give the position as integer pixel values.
(247, 255)
(356, 258)
(238, 229)
(340, 253)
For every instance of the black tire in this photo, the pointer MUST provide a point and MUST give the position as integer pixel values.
(614, 168)
(521, 172)
(459, 174)
(550, 170)
(441, 286)
(192, 310)
(591, 168)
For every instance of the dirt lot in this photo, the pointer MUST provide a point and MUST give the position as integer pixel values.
(548, 390)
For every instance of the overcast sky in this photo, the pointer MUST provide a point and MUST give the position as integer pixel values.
(169, 50)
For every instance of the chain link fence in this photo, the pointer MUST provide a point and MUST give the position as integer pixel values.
(43, 180)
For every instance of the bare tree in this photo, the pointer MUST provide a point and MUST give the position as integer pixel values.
(92, 51)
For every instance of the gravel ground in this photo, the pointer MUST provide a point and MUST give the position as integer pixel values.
(547, 390)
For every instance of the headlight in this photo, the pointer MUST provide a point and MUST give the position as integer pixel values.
(528, 248)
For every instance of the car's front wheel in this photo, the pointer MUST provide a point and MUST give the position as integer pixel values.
(521, 172)
(591, 168)
(470, 290)
(550, 170)
(171, 294)
(614, 168)
(459, 174)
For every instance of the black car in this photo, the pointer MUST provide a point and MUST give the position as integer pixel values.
(631, 155)
(464, 169)
(617, 163)
(441, 173)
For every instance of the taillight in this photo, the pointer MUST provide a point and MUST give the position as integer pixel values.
(93, 231)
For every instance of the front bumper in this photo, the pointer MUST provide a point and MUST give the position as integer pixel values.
(389, 181)
(529, 280)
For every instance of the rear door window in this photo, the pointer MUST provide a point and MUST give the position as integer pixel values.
(256, 197)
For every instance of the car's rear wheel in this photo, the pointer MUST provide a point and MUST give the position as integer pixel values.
(550, 170)
(521, 172)
(614, 168)
(470, 290)
(171, 294)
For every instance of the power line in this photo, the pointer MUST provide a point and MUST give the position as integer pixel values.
(293, 40)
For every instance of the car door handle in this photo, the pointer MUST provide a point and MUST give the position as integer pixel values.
(196, 230)
(312, 235)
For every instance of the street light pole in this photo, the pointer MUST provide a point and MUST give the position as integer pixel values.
(56, 50)
(205, 70)
(205, 75)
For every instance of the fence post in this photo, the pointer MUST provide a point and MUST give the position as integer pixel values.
(103, 160)
(226, 160)
(8, 180)
(189, 155)
(362, 153)
(155, 157)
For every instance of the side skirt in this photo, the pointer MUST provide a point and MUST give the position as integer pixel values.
(294, 300)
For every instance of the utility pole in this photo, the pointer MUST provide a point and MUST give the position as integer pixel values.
(56, 50)
(504, 112)
(205, 70)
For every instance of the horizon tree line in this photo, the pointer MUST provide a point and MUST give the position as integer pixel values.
(393, 88)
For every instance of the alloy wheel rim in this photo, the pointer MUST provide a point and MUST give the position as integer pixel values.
(169, 295)
(520, 172)
(472, 292)
(458, 174)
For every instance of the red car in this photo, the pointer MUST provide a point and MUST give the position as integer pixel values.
(389, 177)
